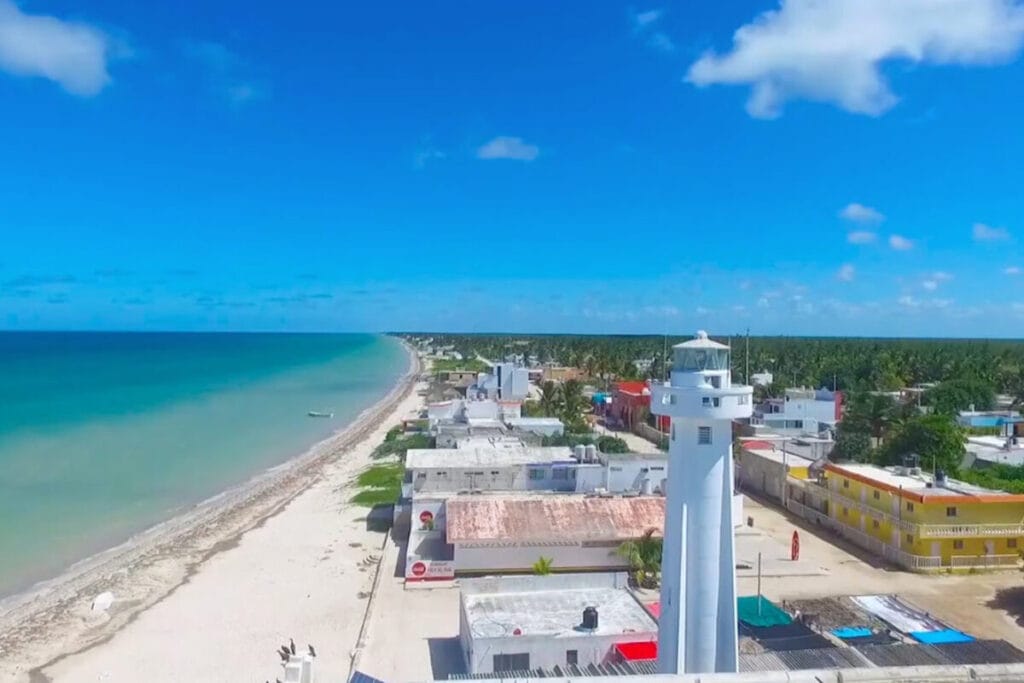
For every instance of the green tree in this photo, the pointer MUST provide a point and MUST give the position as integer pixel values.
(954, 395)
(644, 557)
(852, 444)
(936, 439)
(573, 403)
(542, 567)
(550, 398)
(870, 412)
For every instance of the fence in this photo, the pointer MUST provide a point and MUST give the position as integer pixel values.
(922, 563)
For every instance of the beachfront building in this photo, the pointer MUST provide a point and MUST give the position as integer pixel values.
(503, 534)
(523, 623)
(1003, 421)
(912, 518)
(800, 411)
(506, 381)
(434, 477)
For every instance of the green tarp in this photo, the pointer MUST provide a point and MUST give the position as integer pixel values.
(770, 614)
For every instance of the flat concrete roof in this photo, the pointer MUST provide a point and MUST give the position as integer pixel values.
(993, 449)
(556, 611)
(776, 455)
(915, 483)
(494, 455)
(553, 517)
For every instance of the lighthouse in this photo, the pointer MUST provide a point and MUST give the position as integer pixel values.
(697, 626)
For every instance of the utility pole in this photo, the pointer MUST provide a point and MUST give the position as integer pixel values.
(746, 375)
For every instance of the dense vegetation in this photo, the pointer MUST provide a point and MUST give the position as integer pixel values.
(847, 363)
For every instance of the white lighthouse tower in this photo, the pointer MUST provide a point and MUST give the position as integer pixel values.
(697, 626)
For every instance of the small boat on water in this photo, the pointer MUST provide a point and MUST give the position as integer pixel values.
(317, 413)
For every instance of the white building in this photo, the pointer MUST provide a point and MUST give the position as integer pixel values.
(761, 379)
(506, 381)
(495, 534)
(800, 411)
(698, 590)
(542, 426)
(466, 411)
(519, 623)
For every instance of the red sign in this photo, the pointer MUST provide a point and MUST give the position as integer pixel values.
(794, 548)
(426, 517)
(418, 569)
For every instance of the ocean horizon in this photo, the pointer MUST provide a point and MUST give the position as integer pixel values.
(105, 434)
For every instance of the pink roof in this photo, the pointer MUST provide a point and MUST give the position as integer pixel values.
(572, 518)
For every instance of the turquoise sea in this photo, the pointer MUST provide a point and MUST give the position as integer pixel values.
(103, 435)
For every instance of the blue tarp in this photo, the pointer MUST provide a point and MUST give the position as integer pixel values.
(768, 614)
(852, 632)
(941, 637)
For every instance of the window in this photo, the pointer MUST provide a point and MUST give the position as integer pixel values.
(958, 544)
(743, 399)
(514, 662)
(495, 473)
(572, 657)
(673, 432)
(846, 511)
(1011, 543)
(910, 507)
(560, 473)
(910, 540)
(874, 524)
(876, 495)
(535, 474)
(703, 436)
(706, 402)
(846, 483)
(951, 512)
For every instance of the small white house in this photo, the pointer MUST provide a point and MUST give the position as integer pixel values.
(543, 426)
(522, 623)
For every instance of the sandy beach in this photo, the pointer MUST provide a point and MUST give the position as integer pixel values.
(210, 595)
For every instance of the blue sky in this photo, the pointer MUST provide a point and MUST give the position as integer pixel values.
(809, 167)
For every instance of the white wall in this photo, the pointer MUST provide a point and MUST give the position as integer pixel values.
(521, 558)
(628, 475)
(546, 652)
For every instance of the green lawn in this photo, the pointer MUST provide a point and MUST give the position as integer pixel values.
(380, 484)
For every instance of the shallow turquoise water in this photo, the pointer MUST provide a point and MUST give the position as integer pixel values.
(102, 435)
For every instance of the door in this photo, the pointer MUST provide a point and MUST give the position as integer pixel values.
(936, 549)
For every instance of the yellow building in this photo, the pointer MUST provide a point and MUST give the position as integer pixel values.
(914, 520)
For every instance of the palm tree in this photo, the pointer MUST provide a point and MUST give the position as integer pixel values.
(549, 398)
(644, 556)
(572, 402)
(542, 567)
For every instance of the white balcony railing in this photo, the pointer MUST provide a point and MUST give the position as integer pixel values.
(922, 530)
(897, 556)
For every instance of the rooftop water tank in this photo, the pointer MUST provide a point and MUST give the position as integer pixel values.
(590, 618)
(579, 452)
(591, 453)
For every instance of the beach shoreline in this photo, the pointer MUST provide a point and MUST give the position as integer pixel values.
(53, 620)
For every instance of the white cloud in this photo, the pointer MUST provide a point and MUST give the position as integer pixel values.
(900, 243)
(225, 71)
(763, 302)
(661, 42)
(1012, 270)
(941, 276)
(504, 147)
(846, 273)
(702, 311)
(908, 301)
(930, 285)
(987, 233)
(861, 237)
(858, 213)
(832, 51)
(71, 54)
(642, 20)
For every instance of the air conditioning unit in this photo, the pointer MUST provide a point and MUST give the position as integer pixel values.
(900, 469)
(916, 471)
